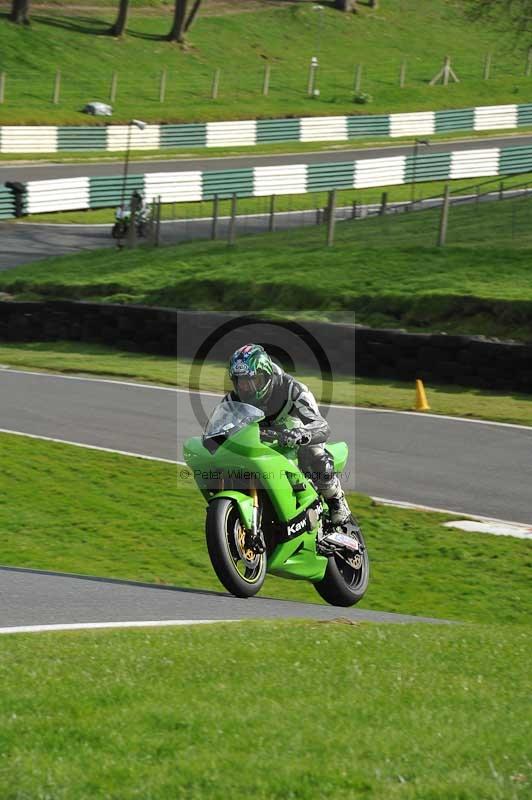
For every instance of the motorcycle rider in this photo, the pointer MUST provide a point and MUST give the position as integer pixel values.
(291, 409)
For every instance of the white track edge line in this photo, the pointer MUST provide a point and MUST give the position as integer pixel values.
(89, 379)
(93, 447)
(78, 626)
(419, 507)
(178, 390)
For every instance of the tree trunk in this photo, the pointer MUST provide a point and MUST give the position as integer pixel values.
(20, 10)
(120, 25)
(177, 33)
(346, 5)
(192, 15)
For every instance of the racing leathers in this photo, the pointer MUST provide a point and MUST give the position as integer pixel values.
(293, 412)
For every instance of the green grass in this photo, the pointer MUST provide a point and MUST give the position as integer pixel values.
(269, 710)
(240, 44)
(296, 202)
(76, 357)
(73, 510)
(387, 271)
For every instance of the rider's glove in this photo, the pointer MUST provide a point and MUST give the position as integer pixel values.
(294, 437)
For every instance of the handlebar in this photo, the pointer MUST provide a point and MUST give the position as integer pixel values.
(268, 435)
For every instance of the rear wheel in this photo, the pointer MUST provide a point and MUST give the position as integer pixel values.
(239, 568)
(347, 574)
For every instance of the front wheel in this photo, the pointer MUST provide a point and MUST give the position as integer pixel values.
(239, 568)
(118, 230)
(347, 576)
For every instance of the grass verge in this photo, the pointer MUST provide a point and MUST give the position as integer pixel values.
(284, 35)
(374, 711)
(386, 270)
(75, 357)
(73, 510)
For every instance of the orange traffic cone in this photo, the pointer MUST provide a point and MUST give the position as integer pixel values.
(421, 397)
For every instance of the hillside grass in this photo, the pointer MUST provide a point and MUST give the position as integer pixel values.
(268, 710)
(387, 271)
(67, 509)
(286, 36)
(99, 360)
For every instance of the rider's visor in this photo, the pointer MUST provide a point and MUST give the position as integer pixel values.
(247, 387)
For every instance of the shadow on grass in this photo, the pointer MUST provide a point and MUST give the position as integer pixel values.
(87, 25)
(152, 37)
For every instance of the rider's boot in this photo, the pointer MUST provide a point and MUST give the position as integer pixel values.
(338, 509)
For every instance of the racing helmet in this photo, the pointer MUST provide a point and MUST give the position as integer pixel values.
(251, 372)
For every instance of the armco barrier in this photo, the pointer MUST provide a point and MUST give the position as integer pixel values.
(7, 203)
(81, 138)
(461, 360)
(106, 191)
(49, 139)
(63, 194)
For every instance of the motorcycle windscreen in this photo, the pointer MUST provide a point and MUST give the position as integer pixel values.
(230, 417)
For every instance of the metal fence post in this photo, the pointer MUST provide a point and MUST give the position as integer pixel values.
(158, 223)
(444, 219)
(358, 78)
(528, 68)
(162, 86)
(131, 237)
(501, 190)
(311, 84)
(384, 204)
(114, 83)
(266, 80)
(215, 213)
(57, 87)
(331, 217)
(402, 75)
(487, 66)
(232, 221)
(271, 221)
(215, 83)
(354, 210)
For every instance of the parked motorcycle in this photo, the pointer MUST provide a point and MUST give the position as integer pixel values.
(264, 515)
(123, 221)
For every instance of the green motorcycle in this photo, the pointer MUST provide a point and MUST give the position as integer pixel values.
(264, 515)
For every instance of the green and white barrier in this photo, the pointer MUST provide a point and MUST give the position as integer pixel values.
(7, 203)
(183, 186)
(49, 139)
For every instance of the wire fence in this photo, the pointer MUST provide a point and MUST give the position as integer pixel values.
(159, 88)
(486, 212)
(483, 213)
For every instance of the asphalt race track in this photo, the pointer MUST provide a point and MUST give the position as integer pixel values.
(30, 597)
(22, 242)
(48, 171)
